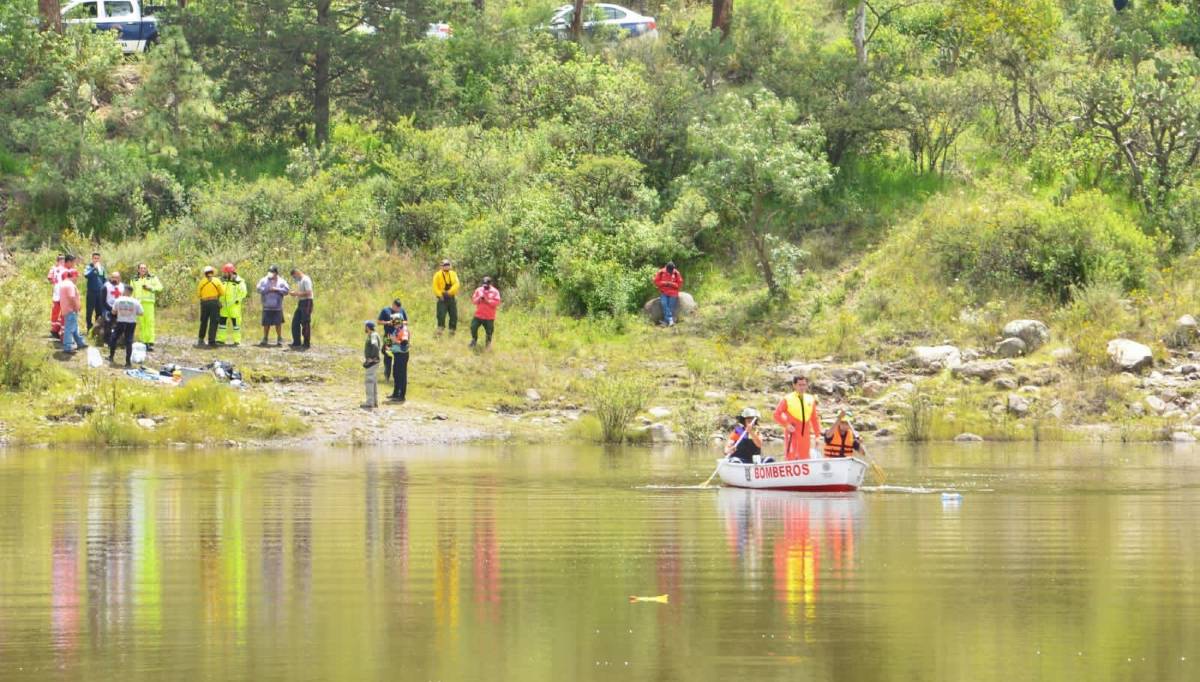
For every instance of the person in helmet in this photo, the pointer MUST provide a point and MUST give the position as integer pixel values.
(745, 442)
(229, 328)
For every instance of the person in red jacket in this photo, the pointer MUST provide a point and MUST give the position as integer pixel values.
(669, 281)
(486, 299)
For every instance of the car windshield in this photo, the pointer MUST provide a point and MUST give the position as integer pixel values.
(84, 10)
(115, 9)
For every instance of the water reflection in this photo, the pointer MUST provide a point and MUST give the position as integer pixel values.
(519, 566)
(808, 535)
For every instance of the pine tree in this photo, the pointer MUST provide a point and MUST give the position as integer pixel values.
(176, 100)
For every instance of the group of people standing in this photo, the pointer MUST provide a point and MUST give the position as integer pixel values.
(111, 304)
(391, 349)
(803, 437)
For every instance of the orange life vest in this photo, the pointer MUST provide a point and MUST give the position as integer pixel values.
(838, 444)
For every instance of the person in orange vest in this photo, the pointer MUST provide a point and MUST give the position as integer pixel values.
(797, 414)
(841, 440)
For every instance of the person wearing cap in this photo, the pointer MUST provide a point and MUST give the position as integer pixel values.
(302, 318)
(209, 291)
(54, 277)
(229, 328)
(273, 290)
(146, 288)
(745, 442)
(669, 282)
(445, 290)
(371, 355)
(841, 440)
(486, 299)
(388, 318)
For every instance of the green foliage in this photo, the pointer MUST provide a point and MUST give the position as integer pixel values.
(755, 165)
(177, 116)
(916, 417)
(1098, 313)
(615, 400)
(1001, 244)
(22, 318)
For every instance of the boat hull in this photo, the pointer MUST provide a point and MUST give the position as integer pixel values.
(824, 475)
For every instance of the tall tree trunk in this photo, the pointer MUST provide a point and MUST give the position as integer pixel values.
(321, 76)
(758, 236)
(722, 14)
(577, 20)
(860, 33)
(479, 5)
(51, 14)
(182, 4)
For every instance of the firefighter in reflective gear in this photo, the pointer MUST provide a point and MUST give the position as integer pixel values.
(146, 288)
(797, 414)
(229, 329)
(841, 440)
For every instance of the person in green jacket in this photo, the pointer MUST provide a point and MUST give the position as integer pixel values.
(146, 288)
(229, 329)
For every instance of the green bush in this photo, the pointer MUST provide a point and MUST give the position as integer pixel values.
(1003, 244)
(22, 318)
(616, 399)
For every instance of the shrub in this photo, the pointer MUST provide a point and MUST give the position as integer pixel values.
(916, 420)
(1001, 244)
(21, 319)
(616, 399)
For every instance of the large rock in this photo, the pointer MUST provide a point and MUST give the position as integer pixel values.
(849, 375)
(873, 389)
(653, 307)
(983, 370)
(660, 433)
(1184, 334)
(1156, 404)
(935, 358)
(1032, 332)
(1130, 356)
(1012, 347)
(967, 437)
(1018, 405)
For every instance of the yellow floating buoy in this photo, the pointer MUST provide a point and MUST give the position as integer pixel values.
(660, 599)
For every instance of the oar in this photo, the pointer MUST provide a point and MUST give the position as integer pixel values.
(876, 471)
(710, 478)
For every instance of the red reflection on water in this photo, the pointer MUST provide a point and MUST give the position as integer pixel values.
(485, 551)
(809, 534)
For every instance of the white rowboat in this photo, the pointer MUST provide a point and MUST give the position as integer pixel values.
(824, 475)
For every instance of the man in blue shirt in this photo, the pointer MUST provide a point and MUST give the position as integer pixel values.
(389, 317)
(95, 276)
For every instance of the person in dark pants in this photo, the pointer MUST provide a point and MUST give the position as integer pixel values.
(486, 299)
(95, 275)
(302, 319)
(445, 290)
(209, 291)
(125, 312)
(398, 344)
(388, 318)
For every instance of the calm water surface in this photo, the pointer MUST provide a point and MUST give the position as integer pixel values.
(518, 563)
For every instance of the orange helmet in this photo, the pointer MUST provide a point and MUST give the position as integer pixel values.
(228, 269)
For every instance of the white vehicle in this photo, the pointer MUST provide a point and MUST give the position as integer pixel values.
(439, 31)
(603, 14)
(135, 31)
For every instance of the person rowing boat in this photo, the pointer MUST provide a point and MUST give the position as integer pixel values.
(745, 443)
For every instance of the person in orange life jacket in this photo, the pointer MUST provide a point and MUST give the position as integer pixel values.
(841, 440)
(669, 282)
(398, 339)
(745, 442)
(388, 318)
(486, 299)
(797, 414)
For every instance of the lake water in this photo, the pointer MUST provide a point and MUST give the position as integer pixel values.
(518, 563)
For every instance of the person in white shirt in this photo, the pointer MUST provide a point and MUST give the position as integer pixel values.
(125, 311)
(302, 319)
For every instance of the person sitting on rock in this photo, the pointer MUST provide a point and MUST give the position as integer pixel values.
(841, 440)
(745, 442)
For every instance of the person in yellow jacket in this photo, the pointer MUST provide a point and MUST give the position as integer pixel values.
(229, 330)
(445, 289)
(146, 288)
(209, 291)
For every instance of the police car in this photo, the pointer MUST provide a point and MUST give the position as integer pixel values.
(135, 30)
(631, 23)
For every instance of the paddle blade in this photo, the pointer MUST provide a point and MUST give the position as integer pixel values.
(660, 599)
